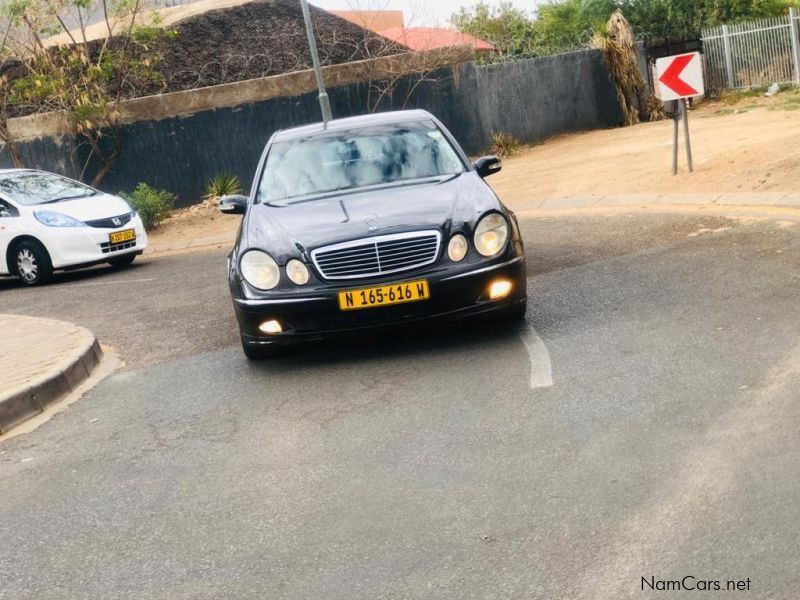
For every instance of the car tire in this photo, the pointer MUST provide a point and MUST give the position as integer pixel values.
(31, 263)
(122, 261)
(258, 352)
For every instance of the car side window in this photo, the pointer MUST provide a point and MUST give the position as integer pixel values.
(6, 210)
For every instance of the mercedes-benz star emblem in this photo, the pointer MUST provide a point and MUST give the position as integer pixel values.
(372, 221)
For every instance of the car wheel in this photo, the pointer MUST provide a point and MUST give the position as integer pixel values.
(32, 263)
(258, 352)
(122, 261)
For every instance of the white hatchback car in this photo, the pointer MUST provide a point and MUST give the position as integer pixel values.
(49, 222)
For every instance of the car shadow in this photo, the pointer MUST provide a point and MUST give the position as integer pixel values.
(67, 277)
(397, 343)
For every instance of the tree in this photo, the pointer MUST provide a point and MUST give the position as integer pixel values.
(561, 25)
(568, 20)
(564, 25)
(82, 79)
(508, 28)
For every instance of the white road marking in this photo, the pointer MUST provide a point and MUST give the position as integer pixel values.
(115, 282)
(541, 368)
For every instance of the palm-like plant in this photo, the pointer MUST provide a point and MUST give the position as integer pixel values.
(224, 184)
(618, 44)
(504, 144)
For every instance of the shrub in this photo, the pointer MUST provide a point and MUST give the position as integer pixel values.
(224, 184)
(504, 144)
(655, 109)
(152, 205)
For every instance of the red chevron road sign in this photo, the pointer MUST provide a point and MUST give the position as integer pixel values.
(680, 76)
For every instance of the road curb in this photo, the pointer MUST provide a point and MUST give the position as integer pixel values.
(66, 375)
(739, 200)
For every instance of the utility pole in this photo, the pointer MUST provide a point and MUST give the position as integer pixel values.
(324, 101)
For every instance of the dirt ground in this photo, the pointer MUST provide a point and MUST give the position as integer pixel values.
(196, 227)
(752, 146)
(745, 143)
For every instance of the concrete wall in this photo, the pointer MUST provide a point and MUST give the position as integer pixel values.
(178, 141)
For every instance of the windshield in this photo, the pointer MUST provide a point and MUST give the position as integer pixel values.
(355, 159)
(33, 187)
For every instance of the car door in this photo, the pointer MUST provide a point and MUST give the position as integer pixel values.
(9, 225)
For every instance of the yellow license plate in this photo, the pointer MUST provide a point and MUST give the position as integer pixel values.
(384, 295)
(122, 236)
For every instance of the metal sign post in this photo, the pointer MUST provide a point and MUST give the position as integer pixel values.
(676, 111)
(680, 77)
(686, 139)
(324, 101)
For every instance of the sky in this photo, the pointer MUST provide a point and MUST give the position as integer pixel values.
(416, 12)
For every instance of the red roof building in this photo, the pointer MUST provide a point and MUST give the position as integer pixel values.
(374, 20)
(428, 38)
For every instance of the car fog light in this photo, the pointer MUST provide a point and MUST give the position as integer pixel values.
(297, 272)
(270, 327)
(457, 248)
(499, 289)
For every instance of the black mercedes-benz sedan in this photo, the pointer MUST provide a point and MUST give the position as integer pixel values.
(367, 222)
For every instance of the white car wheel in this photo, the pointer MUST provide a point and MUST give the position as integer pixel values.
(33, 263)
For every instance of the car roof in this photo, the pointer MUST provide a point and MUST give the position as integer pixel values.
(349, 123)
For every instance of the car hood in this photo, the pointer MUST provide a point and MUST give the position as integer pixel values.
(285, 230)
(101, 206)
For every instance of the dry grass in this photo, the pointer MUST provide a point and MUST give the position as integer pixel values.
(504, 144)
(656, 111)
(739, 101)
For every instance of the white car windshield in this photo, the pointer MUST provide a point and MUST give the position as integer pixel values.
(33, 187)
(303, 167)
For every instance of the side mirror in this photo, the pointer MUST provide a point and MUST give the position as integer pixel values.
(487, 165)
(233, 205)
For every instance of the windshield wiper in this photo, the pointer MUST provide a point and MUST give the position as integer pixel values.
(447, 178)
(364, 189)
(64, 198)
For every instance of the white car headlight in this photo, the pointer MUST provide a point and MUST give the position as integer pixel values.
(297, 272)
(259, 269)
(491, 234)
(56, 219)
(457, 248)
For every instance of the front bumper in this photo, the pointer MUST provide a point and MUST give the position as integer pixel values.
(317, 315)
(76, 246)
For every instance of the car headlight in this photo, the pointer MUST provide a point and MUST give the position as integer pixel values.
(297, 272)
(457, 248)
(259, 269)
(56, 219)
(491, 234)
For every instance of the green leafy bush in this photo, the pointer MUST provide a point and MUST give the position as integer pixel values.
(152, 205)
(224, 184)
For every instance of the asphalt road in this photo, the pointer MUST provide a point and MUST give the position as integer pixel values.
(427, 466)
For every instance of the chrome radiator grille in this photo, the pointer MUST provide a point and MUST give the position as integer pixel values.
(379, 255)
